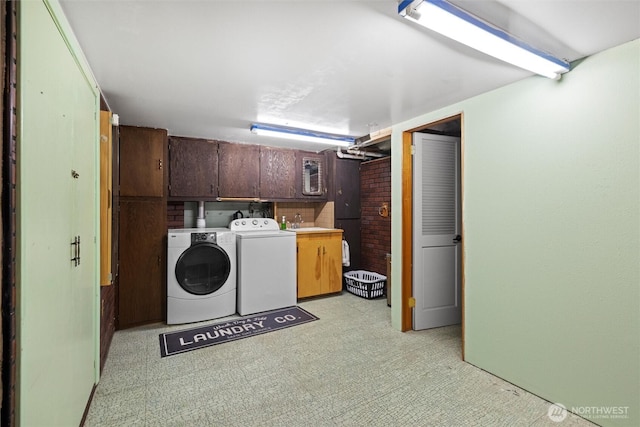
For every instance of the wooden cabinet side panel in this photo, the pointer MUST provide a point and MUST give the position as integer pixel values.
(277, 173)
(141, 290)
(106, 197)
(107, 321)
(347, 189)
(193, 167)
(332, 264)
(309, 271)
(353, 235)
(142, 161)
(239, 170)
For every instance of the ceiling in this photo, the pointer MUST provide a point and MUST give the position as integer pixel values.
(211, 68)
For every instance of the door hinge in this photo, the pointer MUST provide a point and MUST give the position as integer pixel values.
(412, 302)
(413, 150)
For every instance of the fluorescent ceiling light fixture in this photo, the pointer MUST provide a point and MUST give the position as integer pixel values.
(457, 24)
(302, 135)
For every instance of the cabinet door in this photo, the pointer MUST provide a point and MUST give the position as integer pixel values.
(142, 290)
(319, 263)
(58, 204)
(303, 177)
(193, 168)
(142, 161)
(309, 271)
(277, 173)
(239, 170)
(347, 189)
(331, 264)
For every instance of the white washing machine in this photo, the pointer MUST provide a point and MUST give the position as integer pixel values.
(201, 274)
(266, 265)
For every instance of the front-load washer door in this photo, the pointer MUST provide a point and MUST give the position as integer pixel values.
(202, 269)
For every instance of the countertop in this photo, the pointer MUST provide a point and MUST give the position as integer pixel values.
(315, 230)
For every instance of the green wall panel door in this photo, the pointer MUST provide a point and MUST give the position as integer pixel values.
(56, 204)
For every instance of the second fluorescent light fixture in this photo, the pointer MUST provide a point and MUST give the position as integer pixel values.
(301, 135)
(457, 24)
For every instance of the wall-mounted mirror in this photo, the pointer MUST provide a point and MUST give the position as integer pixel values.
(311, 176)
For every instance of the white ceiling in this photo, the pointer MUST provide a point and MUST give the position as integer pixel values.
(210, 68)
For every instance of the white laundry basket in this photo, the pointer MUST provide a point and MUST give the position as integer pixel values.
(365, 284)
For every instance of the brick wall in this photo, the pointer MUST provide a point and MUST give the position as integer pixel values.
(175, 215)
(375, 189)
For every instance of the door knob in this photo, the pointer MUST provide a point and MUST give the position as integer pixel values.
(457, 239)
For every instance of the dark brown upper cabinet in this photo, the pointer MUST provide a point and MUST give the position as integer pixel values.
(194, 168)
(311, 176)
(277, 173)
(347, 189)
(239, 170)
(142, 161)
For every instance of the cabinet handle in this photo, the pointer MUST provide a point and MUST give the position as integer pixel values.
(74, 246)
(318, 250)
(212, 189)
(324, 250)
(76, 251)
(160, 164)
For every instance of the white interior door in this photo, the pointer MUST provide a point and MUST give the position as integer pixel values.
(436, 228)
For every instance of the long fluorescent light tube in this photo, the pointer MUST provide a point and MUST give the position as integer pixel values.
(457, 24)
(301, 135)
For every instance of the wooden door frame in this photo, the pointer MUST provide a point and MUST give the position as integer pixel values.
(407, 221)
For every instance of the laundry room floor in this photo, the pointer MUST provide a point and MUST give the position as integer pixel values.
(349, 368)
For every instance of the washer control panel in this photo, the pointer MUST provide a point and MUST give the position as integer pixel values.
(254, 224)
(203, 238)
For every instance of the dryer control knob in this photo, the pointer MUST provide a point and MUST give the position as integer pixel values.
(244, 222)
(254, 222)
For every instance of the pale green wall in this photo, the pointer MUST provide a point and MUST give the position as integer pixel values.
(552, 232)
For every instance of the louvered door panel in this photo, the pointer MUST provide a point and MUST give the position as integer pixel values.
(438, 188)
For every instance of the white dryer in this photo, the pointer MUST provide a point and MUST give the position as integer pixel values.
(266, 265)
(201, 274)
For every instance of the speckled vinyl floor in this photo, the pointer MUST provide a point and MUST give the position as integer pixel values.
(350, 368)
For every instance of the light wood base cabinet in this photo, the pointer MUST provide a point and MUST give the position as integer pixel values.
(319, 256)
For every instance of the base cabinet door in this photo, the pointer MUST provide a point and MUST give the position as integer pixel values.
(331, 264)
(142, 289)
(319, 263)
(309, 265)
